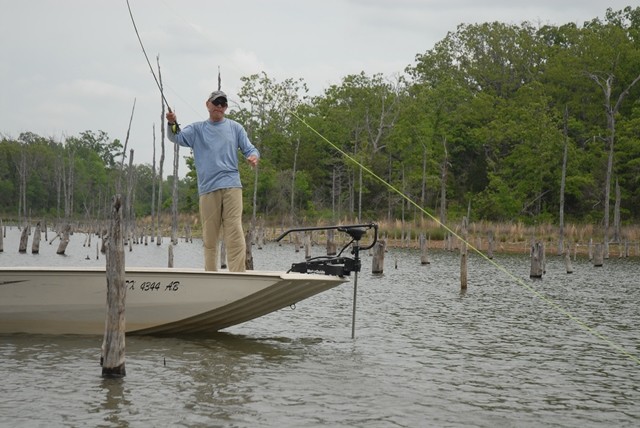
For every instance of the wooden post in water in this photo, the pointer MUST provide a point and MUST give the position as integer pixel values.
(377, 263)
(307, 245)
(2, 233)
(598, 255)
(113, 345)
(35, 245)
(103, 245)
(424, 250)
(64, 239)
(463, 255)
(170, 256)
(626, 248)
(536, 260)
(248, 263)
(24, 238)
(331, 243)
(296, 241)
(567, 260)
(490, 245)
(260, 237)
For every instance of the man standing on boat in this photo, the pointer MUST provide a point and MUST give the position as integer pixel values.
(215, 143)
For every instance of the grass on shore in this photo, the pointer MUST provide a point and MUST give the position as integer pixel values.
(507, 237)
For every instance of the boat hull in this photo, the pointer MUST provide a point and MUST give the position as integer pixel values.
(158, 300)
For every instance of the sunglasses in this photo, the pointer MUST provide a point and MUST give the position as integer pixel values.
(220, 102)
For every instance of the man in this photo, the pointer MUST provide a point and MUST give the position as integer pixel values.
(215, 143)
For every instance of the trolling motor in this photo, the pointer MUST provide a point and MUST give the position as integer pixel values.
(336, 265)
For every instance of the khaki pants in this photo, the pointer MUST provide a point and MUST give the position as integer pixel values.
(223, 208)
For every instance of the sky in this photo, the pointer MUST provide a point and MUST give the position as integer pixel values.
(69, 66)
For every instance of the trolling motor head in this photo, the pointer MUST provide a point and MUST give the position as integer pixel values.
(356, 232)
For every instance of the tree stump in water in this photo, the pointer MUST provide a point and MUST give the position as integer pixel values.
(490, 245)
(331, 243)
(113, 346)
(424, 250)
(35, 245)
(536, 260)
(598, 255)
(24, 238)
(64, 239)
(296, 241)
(307, 245)
(463, 265)
(377, 263)
(248, 263)
(567, 261)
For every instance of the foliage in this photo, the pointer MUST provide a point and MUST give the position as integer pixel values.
(476, 125)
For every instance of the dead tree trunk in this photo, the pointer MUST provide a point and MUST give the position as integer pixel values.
(24, 238)
(463, 255)
(35, 245)
(113, 345)
(331, 243)
(443, 185)
(377, 263)
(424, 250)
(536, 260)
(611, 110)
(64, 239)
(162, 135)
(248, 264)
(563, 180)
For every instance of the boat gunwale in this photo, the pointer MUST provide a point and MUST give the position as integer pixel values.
(166, 270)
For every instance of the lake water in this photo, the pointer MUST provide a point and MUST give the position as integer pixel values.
(425, 353)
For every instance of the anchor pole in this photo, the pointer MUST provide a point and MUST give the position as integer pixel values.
(353, 316)
(356, 258)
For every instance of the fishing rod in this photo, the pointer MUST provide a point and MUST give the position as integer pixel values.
(175, 127)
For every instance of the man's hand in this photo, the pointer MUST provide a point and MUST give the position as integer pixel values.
(171, 117)
(253, 160)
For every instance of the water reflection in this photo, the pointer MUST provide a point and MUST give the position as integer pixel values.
(115, 404)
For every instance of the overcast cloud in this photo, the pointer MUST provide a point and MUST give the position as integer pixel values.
(75, 65)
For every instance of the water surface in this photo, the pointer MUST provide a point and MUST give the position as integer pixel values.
(425, 353)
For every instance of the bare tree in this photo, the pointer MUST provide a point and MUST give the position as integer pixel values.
(162, 136)
(611, 110)
(563, 179)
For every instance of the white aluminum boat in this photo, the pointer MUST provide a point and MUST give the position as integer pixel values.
(158, 300)
(167, 300)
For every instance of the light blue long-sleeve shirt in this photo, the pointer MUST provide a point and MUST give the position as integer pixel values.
(215, 148)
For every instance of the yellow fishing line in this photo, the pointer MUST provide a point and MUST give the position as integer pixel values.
(519, 281)
(541, 296)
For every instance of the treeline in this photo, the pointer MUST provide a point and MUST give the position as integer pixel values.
(499, 122)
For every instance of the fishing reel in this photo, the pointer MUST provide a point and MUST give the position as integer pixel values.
(337, 265)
